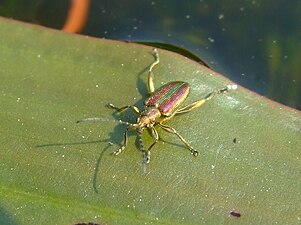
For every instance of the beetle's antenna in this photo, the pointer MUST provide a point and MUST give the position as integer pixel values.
(93, 119)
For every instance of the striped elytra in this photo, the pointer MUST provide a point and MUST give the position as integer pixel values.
(168, 97)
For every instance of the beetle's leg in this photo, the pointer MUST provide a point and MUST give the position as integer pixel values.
(155, 135)
(125, 142)
(173, 131)
(200, 102)
(121, 109)
(150, 83)
(146, 154)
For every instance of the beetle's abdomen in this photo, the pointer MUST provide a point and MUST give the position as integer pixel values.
(168, 97)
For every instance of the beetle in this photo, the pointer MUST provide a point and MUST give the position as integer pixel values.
(162, 105)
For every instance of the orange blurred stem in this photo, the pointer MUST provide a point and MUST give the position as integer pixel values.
(77, 16)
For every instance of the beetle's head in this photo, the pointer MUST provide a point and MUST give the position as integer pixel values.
(143, 121)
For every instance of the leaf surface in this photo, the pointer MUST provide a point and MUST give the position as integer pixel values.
(58, 172)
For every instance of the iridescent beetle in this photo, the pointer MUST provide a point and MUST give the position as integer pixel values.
(161, 106)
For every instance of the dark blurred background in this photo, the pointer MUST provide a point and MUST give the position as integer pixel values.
(255, 43)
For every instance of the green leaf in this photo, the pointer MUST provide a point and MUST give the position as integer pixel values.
(54, 171)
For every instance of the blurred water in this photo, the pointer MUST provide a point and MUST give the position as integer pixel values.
(255, 43)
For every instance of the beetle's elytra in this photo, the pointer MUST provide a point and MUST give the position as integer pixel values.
(168, 97)
(161, 106)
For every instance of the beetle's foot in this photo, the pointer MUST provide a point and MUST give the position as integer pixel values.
(155, 52)
(146, 157)
(118, 151)
(232, 87)
(111, 106)
(226, 89)
(194, 152)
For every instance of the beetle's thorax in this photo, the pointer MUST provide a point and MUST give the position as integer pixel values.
(148, 117)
